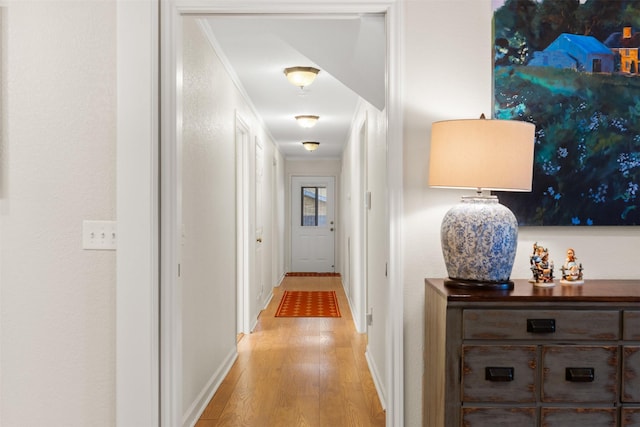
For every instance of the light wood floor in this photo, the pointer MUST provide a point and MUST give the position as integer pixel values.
(294, 372)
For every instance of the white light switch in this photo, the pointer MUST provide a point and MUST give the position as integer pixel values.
(99, 235)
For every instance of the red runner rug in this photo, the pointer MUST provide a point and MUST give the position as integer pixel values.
(308, 304)
(306, 274)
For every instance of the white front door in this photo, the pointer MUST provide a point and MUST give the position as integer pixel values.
(312, 224)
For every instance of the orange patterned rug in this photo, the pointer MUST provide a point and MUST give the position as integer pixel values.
(308, 304)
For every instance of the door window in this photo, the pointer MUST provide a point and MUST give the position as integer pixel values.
(314, 206)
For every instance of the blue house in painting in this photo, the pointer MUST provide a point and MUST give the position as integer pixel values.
(580, 53)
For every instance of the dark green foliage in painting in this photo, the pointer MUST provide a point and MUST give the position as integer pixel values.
(587, 152)
(512, 32)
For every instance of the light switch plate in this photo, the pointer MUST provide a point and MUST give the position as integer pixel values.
(99, 235)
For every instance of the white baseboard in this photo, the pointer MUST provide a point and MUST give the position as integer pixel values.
(376, 380)
(196, 409)
(354, 314)
(266, 304)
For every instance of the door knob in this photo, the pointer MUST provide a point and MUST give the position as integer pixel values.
(331, 229)
(259, 240)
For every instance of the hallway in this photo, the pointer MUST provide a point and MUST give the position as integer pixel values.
(298, 371)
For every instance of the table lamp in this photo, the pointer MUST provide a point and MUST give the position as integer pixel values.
(479, 236)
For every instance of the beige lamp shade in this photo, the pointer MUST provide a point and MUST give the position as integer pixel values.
(483, 154)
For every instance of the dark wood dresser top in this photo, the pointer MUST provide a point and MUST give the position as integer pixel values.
(591, 291)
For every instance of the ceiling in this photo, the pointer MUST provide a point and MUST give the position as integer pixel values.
(349, 50)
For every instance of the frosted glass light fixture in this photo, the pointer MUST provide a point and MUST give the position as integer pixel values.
(479, 236)
(311, 145)
(301, 76)
(307, 121)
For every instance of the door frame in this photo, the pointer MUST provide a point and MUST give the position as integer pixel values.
(363, 212)
(243, 265)
(148, 39)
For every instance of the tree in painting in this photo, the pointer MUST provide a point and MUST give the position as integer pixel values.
(571, 68)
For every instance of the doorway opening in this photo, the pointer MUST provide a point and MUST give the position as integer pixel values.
(170, 372)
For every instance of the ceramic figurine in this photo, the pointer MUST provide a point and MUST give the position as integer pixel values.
(571, 269)
(541, 267)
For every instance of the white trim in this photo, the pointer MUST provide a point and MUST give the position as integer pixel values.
(351, 309)
(137, 299)
(171, 409)
(197, 408)
(314, 7)
(243, 275)
(395, 340)
(377, 380)
(268, 301)
(362, 133)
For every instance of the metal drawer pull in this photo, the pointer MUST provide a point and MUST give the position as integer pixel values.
(541, 326)
(498, 374)
(580, 375)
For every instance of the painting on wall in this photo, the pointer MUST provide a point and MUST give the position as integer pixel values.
(572, 68)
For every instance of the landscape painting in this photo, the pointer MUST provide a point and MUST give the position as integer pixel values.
(571, 67)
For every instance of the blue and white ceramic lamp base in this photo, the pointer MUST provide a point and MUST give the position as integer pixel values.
(479, 240)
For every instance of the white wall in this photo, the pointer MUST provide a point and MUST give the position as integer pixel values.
(377, 251)
(351, 234)
(58, 169)
(208, 275)
(210, 104)
(448, 75)
(137, 200)
(364, 237)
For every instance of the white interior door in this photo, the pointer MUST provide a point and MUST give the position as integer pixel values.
(312, 224)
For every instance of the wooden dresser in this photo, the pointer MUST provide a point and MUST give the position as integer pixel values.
(562, 356)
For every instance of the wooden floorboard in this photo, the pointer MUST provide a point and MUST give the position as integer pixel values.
(298, 372)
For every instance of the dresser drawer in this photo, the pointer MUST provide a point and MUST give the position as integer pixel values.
(579, 374)
(630, 374)
(499, 417)
(631, 325)
(541, 324)
(630, 417)
(493, 373)
(579, 417)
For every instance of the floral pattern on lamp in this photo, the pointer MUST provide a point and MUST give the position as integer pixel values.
(479, 239)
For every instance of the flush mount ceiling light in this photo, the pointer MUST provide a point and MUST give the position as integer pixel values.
(301, 76)
(307, 121)
(311, 145)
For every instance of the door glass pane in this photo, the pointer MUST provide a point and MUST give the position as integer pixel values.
(309, 197)
(322, 206)
(314, 206)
